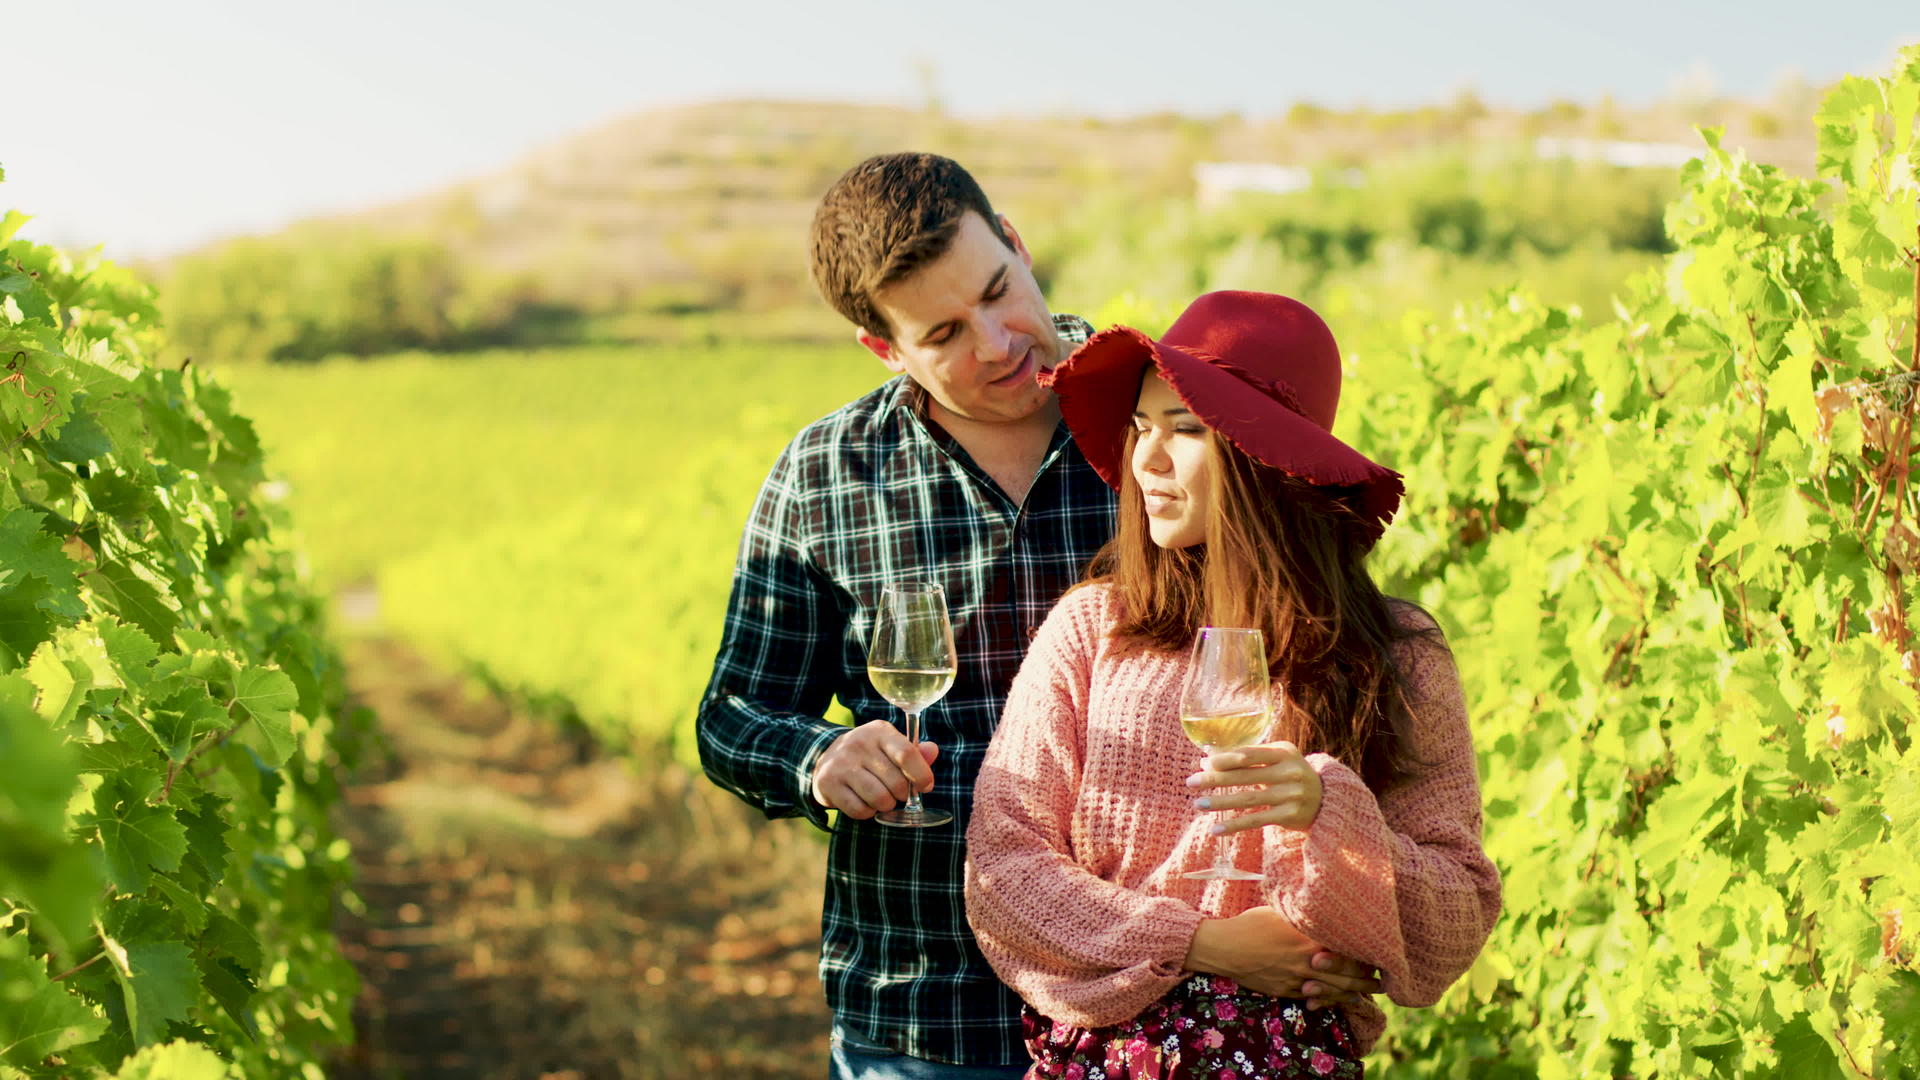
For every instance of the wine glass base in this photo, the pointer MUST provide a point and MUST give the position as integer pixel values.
(913, 819)
(1215, 873)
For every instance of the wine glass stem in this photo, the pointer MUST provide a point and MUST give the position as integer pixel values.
(1220, 862)
(913, 737)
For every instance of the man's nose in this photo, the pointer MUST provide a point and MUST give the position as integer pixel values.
(995, 341)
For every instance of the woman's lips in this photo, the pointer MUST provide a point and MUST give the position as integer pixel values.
(1159, 502)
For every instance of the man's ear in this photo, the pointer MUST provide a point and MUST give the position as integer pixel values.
(881, 348)
(1013, 237)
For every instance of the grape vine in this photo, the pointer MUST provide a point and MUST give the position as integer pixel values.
(169, 713)
(1677, 552)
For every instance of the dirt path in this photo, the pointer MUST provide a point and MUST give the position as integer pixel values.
(536, 910)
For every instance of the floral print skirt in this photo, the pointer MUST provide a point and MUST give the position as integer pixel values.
(1206, 1028)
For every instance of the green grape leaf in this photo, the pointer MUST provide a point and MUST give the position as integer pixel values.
(131, 652)
(238, 432)
(80, 438)
(207, 830)
(267, 776)
(1782, 514)
(137, 837)
(138, 920)
(39, 863)
(116, 495)
(37, 772)
(179, 722)
(182, 906)
(26, 549)
(60, 685)
(160, 986)
(1790, 390)
(38, 1017)
(1804, 1055)
(268, 697)
(1898, 1002)
(134, 599)
(227, 937)
(177, 1060)
(294, 662)
(111, 758)
(116, 405)
(25, 619)
(232, 986)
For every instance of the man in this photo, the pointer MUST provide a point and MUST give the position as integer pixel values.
(960, 472)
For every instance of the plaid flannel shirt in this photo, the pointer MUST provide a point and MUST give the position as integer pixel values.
(871, 493)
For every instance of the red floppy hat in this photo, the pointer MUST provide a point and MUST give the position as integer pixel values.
(1260, 369)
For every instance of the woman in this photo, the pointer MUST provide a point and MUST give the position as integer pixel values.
(1238, 508)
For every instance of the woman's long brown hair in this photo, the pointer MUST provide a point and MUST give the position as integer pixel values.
(1288, 557)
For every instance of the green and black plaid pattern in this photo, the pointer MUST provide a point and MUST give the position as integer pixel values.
(870, 494)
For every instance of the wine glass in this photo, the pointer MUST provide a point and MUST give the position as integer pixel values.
(1227, 703)
(912, 664)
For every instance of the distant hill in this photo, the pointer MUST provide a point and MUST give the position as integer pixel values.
(706, 205)
(621, 232)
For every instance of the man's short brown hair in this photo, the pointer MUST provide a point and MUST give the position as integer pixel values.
(884, 219)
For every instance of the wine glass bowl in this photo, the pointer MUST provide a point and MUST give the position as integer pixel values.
(1226, 703)
(1225, 731)
(911, 662)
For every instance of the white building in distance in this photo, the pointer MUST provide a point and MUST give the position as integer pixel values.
(1217, 181)
(1633, 155)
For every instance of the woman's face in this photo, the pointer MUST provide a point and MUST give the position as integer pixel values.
(1172, 464)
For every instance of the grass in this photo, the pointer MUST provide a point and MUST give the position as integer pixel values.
(564, 520)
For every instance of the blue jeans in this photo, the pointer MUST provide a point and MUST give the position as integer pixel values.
(855, 1058)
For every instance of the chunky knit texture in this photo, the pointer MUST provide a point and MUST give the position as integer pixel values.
(1083, 824)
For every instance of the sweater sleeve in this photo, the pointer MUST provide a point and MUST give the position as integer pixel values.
(1080, 949)
(1399, 882)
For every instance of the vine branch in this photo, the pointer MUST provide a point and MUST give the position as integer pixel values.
(212, 739)
(82, 966)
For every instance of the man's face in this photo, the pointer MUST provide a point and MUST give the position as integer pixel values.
(971, 327)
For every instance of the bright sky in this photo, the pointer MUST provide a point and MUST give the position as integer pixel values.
(153, 126)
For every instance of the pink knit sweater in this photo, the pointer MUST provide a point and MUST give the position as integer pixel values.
(1083, 824)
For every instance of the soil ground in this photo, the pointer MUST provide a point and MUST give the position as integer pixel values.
(530, 906)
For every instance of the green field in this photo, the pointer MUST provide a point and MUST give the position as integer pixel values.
(562, 520)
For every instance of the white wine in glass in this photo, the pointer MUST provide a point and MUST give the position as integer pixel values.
(1227, 703)
(912, 664)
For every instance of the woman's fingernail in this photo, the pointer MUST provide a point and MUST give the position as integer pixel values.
(1203, 803)
(1194, 780)
(1217, 829)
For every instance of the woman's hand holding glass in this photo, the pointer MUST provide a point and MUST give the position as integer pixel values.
(1272, 780)
(1226, 703)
